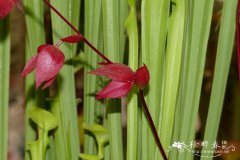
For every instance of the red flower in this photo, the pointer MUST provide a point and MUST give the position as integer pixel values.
(123, 79)
(7, 5)
(48, 62)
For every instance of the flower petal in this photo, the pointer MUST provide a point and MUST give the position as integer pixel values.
(48, 83)
(116, 72)
(50, 61)
(73, 39)
(38, 83)
(115, 90)
(41, 47)
(5, 7)
(141, 77)
(30, 66)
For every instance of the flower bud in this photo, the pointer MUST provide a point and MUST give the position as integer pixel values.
(141, 77)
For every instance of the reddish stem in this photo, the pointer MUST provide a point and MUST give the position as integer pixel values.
(61, 16)
(238, 37)
(108, 61)
(75, 30)
(150, 121)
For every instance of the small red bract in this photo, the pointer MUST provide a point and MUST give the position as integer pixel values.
(47, 63)
(122, 78)
(73, 38)
(7, 5)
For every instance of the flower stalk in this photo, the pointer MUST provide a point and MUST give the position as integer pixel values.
(108, 62)
(75, 30)
(151, 123)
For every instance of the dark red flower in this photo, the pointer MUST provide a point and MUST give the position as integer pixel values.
(122, 78)
(47, 63)
(7, 5)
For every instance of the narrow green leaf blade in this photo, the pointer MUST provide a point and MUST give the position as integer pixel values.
(153, 35)
(4, 85)
(193, 67)
(68, 108)
(132, 107)
(222, 64)
(113, 50)
(93, 32)
(35, 37)
(172, 71)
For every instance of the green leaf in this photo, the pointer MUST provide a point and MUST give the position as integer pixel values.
(196, 41)
(34, 148)
(153, 42)
(102, 136)
(97, 130)
(70, 9)
(222, 64)
(132, 107)
(35, 37)
(45, 122)
(172, 71)
(78, 62)
(4, 85)
(89, 157)
(44, 119)
(113, 27)
(93, 32)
